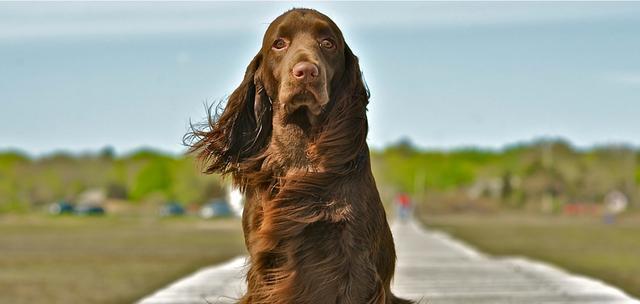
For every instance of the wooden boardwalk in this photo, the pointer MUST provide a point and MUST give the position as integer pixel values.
(432, 268)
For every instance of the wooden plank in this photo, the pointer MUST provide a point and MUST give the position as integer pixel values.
(433, 268)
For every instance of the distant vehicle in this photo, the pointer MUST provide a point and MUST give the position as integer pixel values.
(61, 207)
(172, 209)
(216, 208)
(89, 210)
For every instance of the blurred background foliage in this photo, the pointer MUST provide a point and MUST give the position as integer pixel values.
(542, 175)
(145, 176)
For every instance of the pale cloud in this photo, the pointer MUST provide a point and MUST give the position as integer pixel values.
(37, 20)
(628, 78)
(55, 20)
(463, 14)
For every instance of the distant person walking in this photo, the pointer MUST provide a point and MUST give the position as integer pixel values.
(403, 203)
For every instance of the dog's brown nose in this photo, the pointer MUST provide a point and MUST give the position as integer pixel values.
(305, 71)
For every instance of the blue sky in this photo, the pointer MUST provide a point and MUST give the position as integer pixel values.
(80, 76)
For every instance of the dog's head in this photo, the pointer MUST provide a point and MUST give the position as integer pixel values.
(302, 86)
(303, 52)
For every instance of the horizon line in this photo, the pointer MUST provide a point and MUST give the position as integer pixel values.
(400, 141)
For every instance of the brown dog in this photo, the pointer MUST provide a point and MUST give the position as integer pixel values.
(293, 137)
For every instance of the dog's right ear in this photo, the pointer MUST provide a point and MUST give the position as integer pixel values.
(240, 132)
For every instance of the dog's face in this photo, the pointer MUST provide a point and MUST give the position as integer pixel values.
(302, 100)
(303, 52)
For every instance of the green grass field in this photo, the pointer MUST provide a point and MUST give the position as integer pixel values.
(105, 260)
(581, 245)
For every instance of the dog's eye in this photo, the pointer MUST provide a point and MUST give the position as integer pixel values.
(327, 43)
(279, 44)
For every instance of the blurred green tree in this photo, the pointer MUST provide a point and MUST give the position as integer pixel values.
(155, 177)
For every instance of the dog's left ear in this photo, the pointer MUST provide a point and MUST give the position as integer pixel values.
(353, 82)
(241, 131)
(342, 140)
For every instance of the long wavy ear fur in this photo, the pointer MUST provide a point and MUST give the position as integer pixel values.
(240, 132)
(342, 141)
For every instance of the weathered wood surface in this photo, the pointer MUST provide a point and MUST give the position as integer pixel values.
(432, 268)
